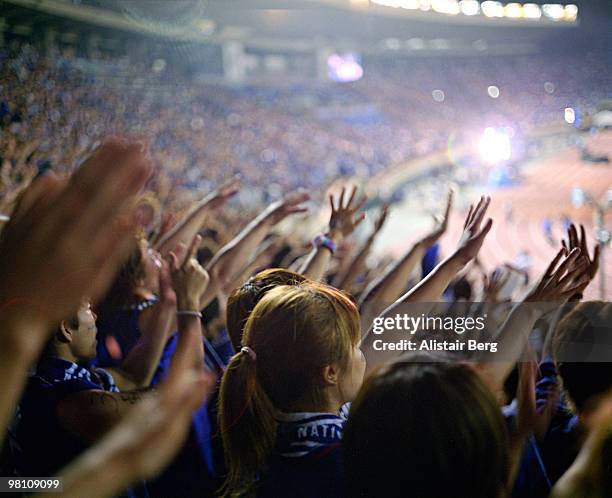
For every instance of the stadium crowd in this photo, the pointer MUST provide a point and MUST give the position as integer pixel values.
(159, 336)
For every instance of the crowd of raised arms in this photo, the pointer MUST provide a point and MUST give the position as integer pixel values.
(158, 349)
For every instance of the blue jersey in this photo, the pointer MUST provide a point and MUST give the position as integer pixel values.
(45, 446)
(307, 460)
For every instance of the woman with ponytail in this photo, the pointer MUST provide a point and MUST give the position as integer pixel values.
(283, 394)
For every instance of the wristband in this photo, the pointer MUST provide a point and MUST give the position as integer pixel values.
(189, 313)
(322, 240)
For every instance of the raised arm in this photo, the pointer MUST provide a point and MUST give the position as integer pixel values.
(347, 276)
(185, 230)
(390, 285)
(430, 289)
(342, 223)
(235, 254)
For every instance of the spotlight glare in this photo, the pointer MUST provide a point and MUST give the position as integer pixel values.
(494, 146)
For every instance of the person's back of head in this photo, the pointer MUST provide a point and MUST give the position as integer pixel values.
(426, 430)
(293, 338)
(243, 299)
(581, 347)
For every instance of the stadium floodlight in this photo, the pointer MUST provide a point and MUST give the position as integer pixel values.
(570, 12)
(439, 44)
(469, 7)
(415, 44)
(393, 44)
(387, 3)
(513, 10)
(494, 146)
(569, 115)
(410, 4)
(446, 6)
(532, 11)
(492, 9)
(553, 11)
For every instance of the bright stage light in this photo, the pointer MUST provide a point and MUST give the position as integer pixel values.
(344, 67)
(494, 146)
(569, 115)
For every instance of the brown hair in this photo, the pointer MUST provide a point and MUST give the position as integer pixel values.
(244, 298)
(425, 429)
(294, 331)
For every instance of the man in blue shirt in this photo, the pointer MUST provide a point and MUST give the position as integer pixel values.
(67, 406)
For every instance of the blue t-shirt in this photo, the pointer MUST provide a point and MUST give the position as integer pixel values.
(307, 460)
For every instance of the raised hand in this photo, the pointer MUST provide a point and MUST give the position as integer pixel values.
(560, 281)
(431, 238)
(591, 264)
(280, 210)
(493, 285)
(223, 193)
(189, 279)
(66, 239)
(344, 218)
(473, 235)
